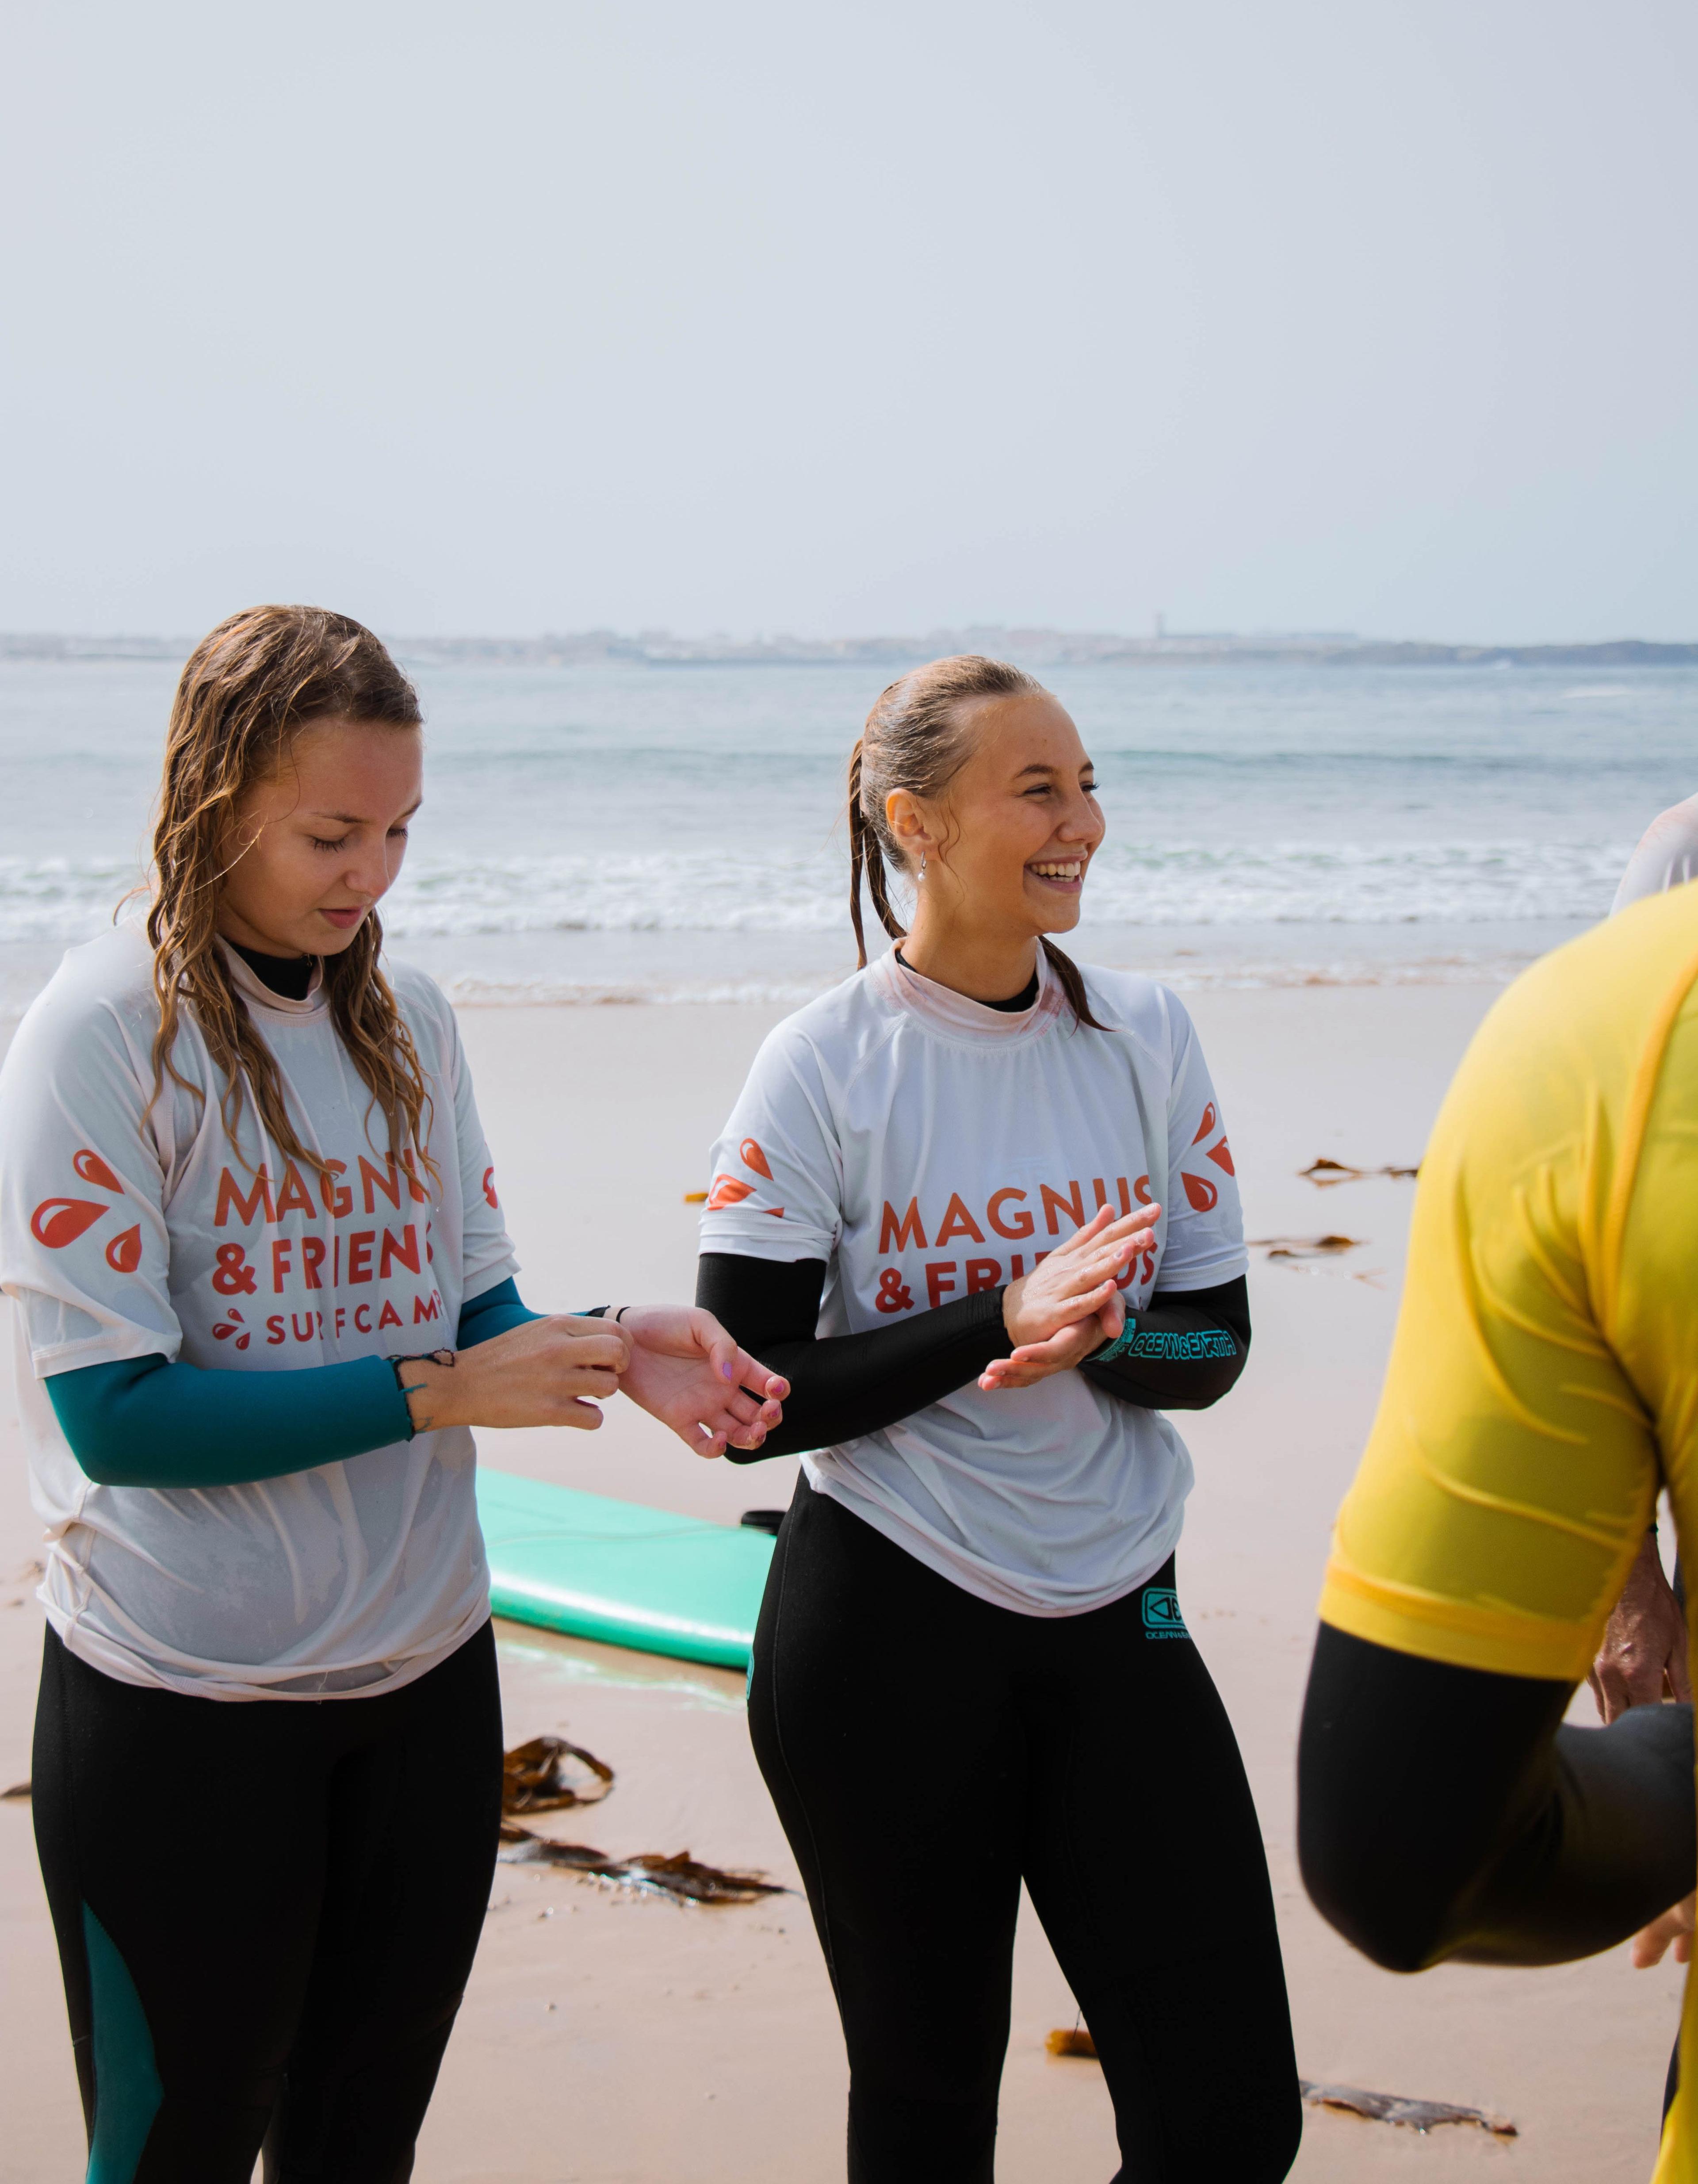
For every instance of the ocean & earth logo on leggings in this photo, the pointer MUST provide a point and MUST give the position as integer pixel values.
(1162, 1616)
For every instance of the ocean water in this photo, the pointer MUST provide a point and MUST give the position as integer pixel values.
(638, 833)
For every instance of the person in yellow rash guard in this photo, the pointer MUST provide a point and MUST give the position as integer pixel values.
(1542, 1386)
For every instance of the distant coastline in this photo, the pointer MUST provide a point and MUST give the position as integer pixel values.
(1046, 648)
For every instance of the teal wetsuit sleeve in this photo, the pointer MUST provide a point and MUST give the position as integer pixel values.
(144, 1422)
(496, 1311)
(501, 1309)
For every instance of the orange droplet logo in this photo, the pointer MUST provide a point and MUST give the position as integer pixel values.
(489, 1188)
(1210, 1119)
(1222, 1156)
(92, 1169)
(57, 1222)
(1200, 1191)
(728, 1191)
(754, 1157)
(123, 1253)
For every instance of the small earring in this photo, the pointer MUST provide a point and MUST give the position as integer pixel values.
(922, 864)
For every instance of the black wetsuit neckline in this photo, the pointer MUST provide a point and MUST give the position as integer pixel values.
(1023, 1000)
(290, 976)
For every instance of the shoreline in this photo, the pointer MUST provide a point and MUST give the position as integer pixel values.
(784, 970)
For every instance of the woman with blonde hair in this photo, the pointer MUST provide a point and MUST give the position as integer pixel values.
(978, 1205)
(264, 1288)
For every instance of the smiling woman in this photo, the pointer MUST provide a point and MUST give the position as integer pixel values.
(246, 1207)
(1015, 840)
(979, 1205)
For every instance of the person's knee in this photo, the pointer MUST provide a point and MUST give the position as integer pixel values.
(354, 2119)
(914, 2034)
(1200, 2096)
(1280, 2141)
(899, 2137)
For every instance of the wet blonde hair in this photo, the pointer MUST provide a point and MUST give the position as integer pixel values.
(917, 738)
(249, 689)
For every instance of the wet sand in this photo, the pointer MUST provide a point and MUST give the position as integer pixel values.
(610, 2041)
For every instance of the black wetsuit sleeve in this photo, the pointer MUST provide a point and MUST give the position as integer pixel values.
(1181, 1353)
(843, 1385)
(1448, 1812)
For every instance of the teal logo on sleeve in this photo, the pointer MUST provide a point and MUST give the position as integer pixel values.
(1162, 1616)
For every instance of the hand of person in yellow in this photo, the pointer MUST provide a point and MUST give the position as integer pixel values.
(1651, 1944)
(1643, 1657)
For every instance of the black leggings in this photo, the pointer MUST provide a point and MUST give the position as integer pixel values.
(926, 1750)
(266, 1911)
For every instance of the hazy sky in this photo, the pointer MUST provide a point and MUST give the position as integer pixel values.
(1373, 314)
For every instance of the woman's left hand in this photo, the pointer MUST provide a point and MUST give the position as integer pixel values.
(688, 1373)
(1034, 1362)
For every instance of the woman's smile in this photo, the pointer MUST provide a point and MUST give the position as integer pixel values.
(1065, 875)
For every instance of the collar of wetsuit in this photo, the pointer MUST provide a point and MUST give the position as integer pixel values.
(288, 975)
(1025, 998)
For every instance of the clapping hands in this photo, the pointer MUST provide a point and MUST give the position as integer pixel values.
(1070, 1304)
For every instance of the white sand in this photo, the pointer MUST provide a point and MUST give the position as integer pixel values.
(700, 2046)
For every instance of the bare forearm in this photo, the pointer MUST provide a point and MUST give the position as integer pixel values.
(1643, 1657)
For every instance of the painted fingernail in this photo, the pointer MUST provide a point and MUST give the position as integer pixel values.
(728, 1372)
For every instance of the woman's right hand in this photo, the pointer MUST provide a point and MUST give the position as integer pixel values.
(1076, 1279)
(541, 1374)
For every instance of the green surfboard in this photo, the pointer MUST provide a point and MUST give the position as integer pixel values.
(612, 1570)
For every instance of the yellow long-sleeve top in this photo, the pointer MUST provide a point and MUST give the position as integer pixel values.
(1543, 1380)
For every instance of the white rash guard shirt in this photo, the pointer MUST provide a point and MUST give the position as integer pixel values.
(926, 1147)
(1667, 856)
(128, 1229)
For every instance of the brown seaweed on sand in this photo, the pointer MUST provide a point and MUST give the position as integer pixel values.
(1324, 1172)
(681, 1877)
(1304, 1247)
(548, 1774)
(1378, 2108)
(1394, 2107)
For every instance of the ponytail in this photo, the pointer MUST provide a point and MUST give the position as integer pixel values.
(1073, 983)
(915, 739)
(866, 854)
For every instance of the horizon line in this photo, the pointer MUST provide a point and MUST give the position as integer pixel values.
(661, 647)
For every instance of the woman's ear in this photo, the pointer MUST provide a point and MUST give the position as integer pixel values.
(908, 823)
